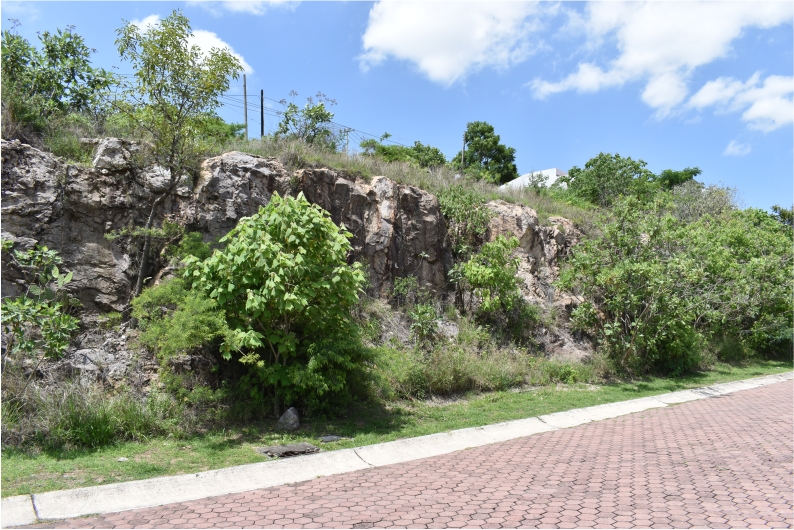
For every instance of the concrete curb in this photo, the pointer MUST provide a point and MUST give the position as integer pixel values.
(29, 509)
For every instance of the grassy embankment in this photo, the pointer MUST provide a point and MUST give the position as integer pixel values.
(35, 472)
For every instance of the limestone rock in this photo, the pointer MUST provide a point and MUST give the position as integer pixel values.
(289, 421)
(113, 154)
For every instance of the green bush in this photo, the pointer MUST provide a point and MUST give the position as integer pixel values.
(659, 289)
(287, 291)
(606, 177)
(38, 323)
(176, 321)
(489, 277)
(466, 215)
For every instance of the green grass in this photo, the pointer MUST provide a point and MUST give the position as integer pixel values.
(25, 472)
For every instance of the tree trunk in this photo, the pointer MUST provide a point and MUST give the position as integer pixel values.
(147, 244)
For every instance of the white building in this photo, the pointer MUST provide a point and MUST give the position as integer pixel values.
(523, 181)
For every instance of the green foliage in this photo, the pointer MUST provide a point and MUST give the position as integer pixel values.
(174, 89)
(692, 200)
(784, 215)
(175, 321)
(669, 178)
(311, 124)
(38, 322)
(55, 80)
(490, 277)
(659, 288)
(216, 128)
(406, 291)
(466, 215)
(191, 244)
(423, 321)
(606, 177)
(172, 96)
(287, 291)
(419, 154)
(486, 156)
(98, 420)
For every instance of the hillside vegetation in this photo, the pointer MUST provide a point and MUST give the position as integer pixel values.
(671, 277)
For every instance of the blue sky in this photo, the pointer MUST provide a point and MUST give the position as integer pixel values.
(676, 84)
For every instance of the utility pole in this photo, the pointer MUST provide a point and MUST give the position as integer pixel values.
(262, 111)
(245, 107)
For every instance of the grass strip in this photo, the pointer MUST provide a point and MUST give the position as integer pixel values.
(25, 472)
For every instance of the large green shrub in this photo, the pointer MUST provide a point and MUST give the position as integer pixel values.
(659, 289)
(287, 291)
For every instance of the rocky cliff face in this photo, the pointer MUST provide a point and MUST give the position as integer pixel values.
(541, 247)
(397, 230)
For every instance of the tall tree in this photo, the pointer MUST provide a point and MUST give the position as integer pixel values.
(175, 88)
(486, 156)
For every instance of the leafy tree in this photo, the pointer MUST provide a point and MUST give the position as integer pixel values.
(692, 200)
(669, 178)
(606, 177)
(311, 124)
(287, 290)
(58, 78)
(784, 215)
(174, 89)
(215, 127)
(486, 156)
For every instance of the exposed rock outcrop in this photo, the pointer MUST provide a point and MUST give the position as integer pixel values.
(541, 247)
(397, 230)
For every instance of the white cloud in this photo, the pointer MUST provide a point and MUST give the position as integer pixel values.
(205, 40)
(448, 40)
(736, 149)
(660, 44)
(252, 7)
(21, 9)
(765, 106)
(143, 24)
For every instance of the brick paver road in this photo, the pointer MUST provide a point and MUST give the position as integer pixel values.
(719, 462)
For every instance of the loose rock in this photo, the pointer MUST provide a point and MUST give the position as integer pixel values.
(289, 421)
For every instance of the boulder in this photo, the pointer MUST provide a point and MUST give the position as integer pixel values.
(289, 421)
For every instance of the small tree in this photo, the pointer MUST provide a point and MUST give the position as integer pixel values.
(287, 290)
(491, 160)
(491, 276)
(38, 84)
(175, 88)
(606, 177)
(311, 124)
